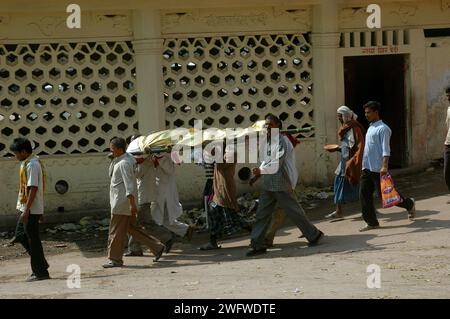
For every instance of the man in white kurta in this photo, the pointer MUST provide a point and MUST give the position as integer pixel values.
(146, 178)
(167, 207)
(123, 194)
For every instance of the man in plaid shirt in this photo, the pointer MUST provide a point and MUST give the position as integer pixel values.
(277, 188)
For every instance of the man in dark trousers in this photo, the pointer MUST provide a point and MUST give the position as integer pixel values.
(447, 144)
(377, 151)
(30, 206)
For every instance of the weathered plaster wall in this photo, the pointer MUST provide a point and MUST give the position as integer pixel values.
(18, 27)
(397, 14)
(88, 180)
(438, 78)
(86, 174)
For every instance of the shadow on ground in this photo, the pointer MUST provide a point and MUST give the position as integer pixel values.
(420, 186)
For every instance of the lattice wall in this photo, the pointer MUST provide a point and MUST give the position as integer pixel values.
(234, 81)
(67, 98)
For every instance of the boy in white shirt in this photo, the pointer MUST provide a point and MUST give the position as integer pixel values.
(30, 206)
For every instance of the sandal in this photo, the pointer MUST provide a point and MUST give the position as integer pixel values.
(112, 264)
(333, 215)
(158, 256)
(209, 246)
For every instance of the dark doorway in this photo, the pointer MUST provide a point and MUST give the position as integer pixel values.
(380, 78)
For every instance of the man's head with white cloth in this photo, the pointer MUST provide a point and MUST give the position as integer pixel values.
(345, 114)
(133, 148)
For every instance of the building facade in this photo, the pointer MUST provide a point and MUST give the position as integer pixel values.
(141, 66)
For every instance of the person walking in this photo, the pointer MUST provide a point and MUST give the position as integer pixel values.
(348, 171)
(279, 217)
(375, 164)
(123, 197)
(447, 144)
(145, 176)
(223, 217)
(277, 188)
(167, 207)
(30, 207)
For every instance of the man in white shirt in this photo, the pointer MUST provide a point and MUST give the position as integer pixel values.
(447, 144)
(167, 207)
(30, 206)
(146, 184)
(123, 194)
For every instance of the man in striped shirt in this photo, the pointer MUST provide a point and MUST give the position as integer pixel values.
(208, 189)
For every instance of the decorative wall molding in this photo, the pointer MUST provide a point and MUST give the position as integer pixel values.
(4, 20)
(256, 19)
(47, 26)
(52, 25)
(347, 15)
(119, 22)
(398, 14)
(405, 12)
(172, 20)
(301, 16)
(230, 20)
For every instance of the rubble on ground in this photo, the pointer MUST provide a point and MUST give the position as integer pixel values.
(437, 163)
(306, 194)
(5, 234)
(86, 224)
(196, 216)
(249, 203)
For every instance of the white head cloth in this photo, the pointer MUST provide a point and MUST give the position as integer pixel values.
(347, 114)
